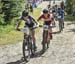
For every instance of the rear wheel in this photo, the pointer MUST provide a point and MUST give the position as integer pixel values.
(60, 25)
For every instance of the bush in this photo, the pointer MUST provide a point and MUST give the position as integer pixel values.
(11, 9)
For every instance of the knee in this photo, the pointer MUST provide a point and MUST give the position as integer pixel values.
(33, 37)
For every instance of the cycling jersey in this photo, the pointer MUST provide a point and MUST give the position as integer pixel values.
(61, 13)
(43, 17)
(31, 21)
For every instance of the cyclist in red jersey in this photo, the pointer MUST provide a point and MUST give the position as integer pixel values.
(47, 20)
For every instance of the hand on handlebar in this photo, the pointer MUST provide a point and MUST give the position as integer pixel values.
(18, 29)
(37, 25)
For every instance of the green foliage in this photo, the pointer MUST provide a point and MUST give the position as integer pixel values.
(70, 6)
(1, 14)
(8, 34)
(69, 18)
(12, 8)
(1, 19)
(74, 7)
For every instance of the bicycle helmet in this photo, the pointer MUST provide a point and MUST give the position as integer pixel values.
(59, 8)
(45, 11)
(25, 13)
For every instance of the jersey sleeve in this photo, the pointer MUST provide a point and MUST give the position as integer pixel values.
(32, 18)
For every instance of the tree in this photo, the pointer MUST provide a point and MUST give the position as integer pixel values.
(1, 14)
(12, 8)
(69, 6)
(73, 7)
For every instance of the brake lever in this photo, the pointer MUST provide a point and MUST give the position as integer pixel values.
(40, 26)
(18, 29)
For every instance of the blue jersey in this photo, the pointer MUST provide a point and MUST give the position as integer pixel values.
(61, 13)
(31, 21)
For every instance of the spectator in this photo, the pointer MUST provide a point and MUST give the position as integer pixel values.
(62, 4)
(31, 8)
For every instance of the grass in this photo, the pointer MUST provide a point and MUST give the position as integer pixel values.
(70, 18)
(8, 34)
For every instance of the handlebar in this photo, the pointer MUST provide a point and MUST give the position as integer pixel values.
(20, 29)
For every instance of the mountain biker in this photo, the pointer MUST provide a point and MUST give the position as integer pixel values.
(62, 5)
(54, 14)
(47, 20)
(29, 22)
(31, 8)
(60, 13)
(49, 7)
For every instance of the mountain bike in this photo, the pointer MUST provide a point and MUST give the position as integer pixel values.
(46, 40)
(27, 46)
(60, 23)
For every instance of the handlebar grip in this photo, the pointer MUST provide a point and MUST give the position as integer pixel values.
(40, 26)
(18, 29)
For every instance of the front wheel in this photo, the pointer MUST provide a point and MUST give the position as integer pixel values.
(26, 50)
(44, 42)
(31, 45)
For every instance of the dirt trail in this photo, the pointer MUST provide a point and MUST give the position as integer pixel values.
(62, 49)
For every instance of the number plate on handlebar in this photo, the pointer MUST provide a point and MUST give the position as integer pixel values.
(59, 17)
(45, 27)
(25, 30)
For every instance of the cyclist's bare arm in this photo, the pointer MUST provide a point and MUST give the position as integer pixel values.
(18, 24)
(40, 17)
(35, 21)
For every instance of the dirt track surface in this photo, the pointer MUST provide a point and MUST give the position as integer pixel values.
(61, 50)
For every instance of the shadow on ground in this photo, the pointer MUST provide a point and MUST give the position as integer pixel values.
(70, 23)
(38, 54)
(21, 61)
(56, 32)
(71, 30)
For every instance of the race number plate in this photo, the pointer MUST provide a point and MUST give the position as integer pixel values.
(25, 30)
(45, 27)
(59, 17)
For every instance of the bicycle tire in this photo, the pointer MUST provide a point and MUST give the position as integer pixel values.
(48, 42)
(26, 48)
(60, 26)
(31, 45)
(44, 40)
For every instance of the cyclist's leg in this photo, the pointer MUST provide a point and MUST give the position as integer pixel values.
(33, 38)
(53, 19)
(63, 22)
